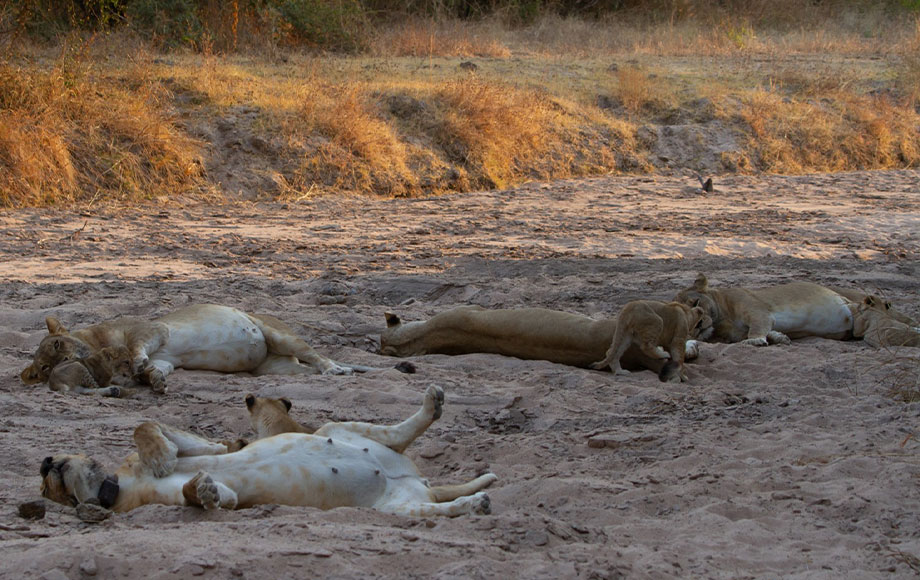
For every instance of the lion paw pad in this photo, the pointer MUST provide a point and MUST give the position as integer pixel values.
(482, 505)
(434, 397)
(208, 494)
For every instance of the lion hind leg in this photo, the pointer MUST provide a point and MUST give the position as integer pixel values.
(440, 493)
(281, 340)
(478, 503)
(191, 445)
(202, 491)
(398, 437)
(157, 453)
(621, 342)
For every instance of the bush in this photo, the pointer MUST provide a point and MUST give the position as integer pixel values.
(168, 22)
(334, 24)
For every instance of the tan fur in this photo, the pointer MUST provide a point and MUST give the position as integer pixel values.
(270, 417)
(659, 329)
(93, 374)
(203, 336)
(872, 323)
(858, 296)
(776, 314)
(343, 464)
(526, 333)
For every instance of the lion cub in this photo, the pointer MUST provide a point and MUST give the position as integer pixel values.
(269, 417)
(877, 328)
(655, 326)
(96, 374)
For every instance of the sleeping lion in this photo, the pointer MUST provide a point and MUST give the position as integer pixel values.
(342, 464)
(199, 337)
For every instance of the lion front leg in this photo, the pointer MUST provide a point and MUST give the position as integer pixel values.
(202, 491)
(155, 373)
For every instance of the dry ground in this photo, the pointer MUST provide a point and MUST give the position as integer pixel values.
(772, 462)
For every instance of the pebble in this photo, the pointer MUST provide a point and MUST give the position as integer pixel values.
(32, 510)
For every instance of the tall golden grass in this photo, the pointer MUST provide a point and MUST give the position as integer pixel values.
(66, 137)
(559, 98)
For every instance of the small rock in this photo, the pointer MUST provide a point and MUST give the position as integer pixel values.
(405, 367)
(89, 567)
(32, 510)
(536, 537)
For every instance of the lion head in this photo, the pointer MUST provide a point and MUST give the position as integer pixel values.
(71, 479)
(57, 347)
(270, 417)
(699, 295)
(700, 323)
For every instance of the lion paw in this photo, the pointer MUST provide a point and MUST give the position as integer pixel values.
(481, 504)
(622, 372)
(207, 492)
(434, 401)
(164, 463)
(755, 341)
(92, 512)
(778, 338)
(691, 350)
(599, 365)
(156, 379)
(335, 369)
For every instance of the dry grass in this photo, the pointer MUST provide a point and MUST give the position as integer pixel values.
(562, 98)
(65, 137)
(346, 143)
(424, 38)
(836, 133)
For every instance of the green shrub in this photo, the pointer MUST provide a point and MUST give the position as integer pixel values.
(333, 24)
(168, 22)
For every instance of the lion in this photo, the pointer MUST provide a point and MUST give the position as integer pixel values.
(651, 325)
(525, 333)
(342, 464)
(773, 315)
(199, 337)
(270, 417)
(880, 304)
(873, 323)
(105, 373)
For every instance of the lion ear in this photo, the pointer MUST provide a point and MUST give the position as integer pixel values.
(55, 326)
(392, 319)
(701, 284)
(250, 401)
(869, 300)
(287, 404)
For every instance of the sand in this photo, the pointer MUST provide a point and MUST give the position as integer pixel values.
(793, 462)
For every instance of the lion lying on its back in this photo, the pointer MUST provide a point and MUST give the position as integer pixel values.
(342, 464)
(526, 333)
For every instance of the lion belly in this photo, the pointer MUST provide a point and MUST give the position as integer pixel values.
(811, 311)
(296, 469)
(212, 337)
